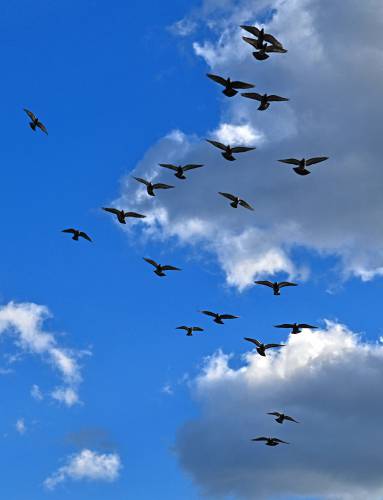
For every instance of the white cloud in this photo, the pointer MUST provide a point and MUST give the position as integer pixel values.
(65, 395)
(329, 380)
(20, 426)
(87, 465)
(36, 393)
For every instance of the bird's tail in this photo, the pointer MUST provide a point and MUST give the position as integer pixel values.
(32, 125)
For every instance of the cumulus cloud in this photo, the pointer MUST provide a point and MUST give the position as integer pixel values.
(87, 465)
(330, 381)
(20, 426)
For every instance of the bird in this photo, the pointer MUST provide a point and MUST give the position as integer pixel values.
(180, 170)
(301, 169)
(270, 441)
(219, 317)
(275, 286)
(296, 327)
(261, 54)
(281, 417)
(122, 215)
(228, 150)
(35, 122)
(262, 37)
(264, 99)
(190, 329)
(261, 348)
(77, 234)
(230, 86)
(159, 269)
(151, 187)
(236, 201)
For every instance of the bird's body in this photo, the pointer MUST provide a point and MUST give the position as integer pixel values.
(35, 122)
(219, 317)
(122, 215)
(159, 269)
(264, 99)
(180, 170)
(260, 347)
(281, 417)
(275, 285)
(190, 329)
(230, 86)
(76, 234)
(228, 150)
(301, 165)
(296, 327)
(270, 441)
(150, 187)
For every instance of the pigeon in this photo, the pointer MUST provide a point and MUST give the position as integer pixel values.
(262, 37)
(263, 50)
(264, 99)
(270, 441)
(219, 317)
(261, 348)
(121, 215)
(77, 234)
(236, 201)
(230, 86)
(296, 327)
(275, 286)
(179, 170)
(35, 122)
(151, 187)
(228, 150)
(190, 329)
(281, 417)
(301, 169)
(159, 270)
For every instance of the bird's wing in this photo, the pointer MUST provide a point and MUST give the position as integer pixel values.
(143, 181)
(151, 261)
(182, 328)
(284, 325)
(266, 283)
(290, 161)
(269, 346)
(273, 97)
(70, 230)
(216, 78)
(209, 313)
(275, 413)
(30, 114)
(254, 341)
(280, 441)
(242, 85)
(228, 196)
(305, 325)
(42, 127)
(169, 166)
(170, 268)
(252, 95)
(275, 48)
(317, 159)
(85, 236)
(251, 29)
(228, 316)
(271, 39)
(114, 211)
(262, 438)
(159, 185)
(244, 204)
(251, 41)
(191, 166)
(291, 419)
(241, 149)
(286, 283)
(197, 329)
(217, 144)
(135, 215)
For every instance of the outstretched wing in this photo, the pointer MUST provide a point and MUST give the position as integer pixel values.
(170, 268)
(217, 144)
(169, 166)
(251, 29)
(291, 419)
(275, 48)
(151, 261)
(254, 341)
(228, 316)
(143, 181)
(290, 161)
(262, 438)
(182, 328)
(317, 159)
(280, 441)
(271, 39)
(42, 127)
(228, 196)
(197, 329)
(70, 230)
(251, 41)
(30, 114)
(241, 149)
(191, 166)
(284, 325)
(252, 95)
(272, 98)
(216, 78)
(242, 85)
(305, 325)
(274, 413)
(266, 283)
(269, 346)
(286, 283)
(114, 211)
(159, 185)
(244, 204)
(135, 215)
(85, 236)
(209, 313)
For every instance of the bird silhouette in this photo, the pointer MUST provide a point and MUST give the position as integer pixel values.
(296, 327)
(77, 234)
(228, 150)
(281, 417)
(270, 441)
(35, 122)
(262, 37)
(301, 169)
(219, 317)
(190, 329)
(230, 86)
(275, 286)
(122, 215)
(263, 50)
(159, 269)
(180, 170)
(261, 348)
(235, 201)
(151, 187)
(264, 99)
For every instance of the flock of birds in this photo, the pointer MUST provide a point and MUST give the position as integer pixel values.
(264, 44)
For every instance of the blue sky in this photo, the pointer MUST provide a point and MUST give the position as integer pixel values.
(111, 81)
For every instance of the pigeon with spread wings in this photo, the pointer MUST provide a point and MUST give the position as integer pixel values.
(219, 317)
(270, 441)
(262, 37)
(228, 150)
(230, 86)
(122, 215)
(263, 50)
(77, 234)
(190, 329)
(261, 348)
(159, 269)
(296, 327)
(180, 170)
(35, 122)
(275, 286)
(235, 201)
(151, 187)
(301, 169)
(264, 99)
(281, 417)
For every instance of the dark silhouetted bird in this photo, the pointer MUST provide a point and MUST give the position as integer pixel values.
(35, 122)
(77, 234)
(151, 187)
(296, 327)
(303, 163)
(219, 317)
(179, 170)
(121, 215)
(236, 201)
(262, 37)
(270, 441)
(159, 270)
(261, 348)
(275, 286)
(281, 417)
(263, 50)
(264, 99)
(228, 150)
(190, 329)
(229, 85)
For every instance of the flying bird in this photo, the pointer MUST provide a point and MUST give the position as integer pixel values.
(230, 86)
(263, 50)
(261, 348)
(281, 417)
(228, 150)
(190, 329)
(264, 99)
(35, 122)
(151, 187)
(270, 441)
(262, 37)
(77, 234)
(219, 317)
(301, 169)
(122, 215)
(235, 201)
(296, 327)
(180, 170)
(275, 286)
(159, 269)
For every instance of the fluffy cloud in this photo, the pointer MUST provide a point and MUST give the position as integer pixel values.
(20, 426)
(330, 381)
(87, 465)
(333, 79)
